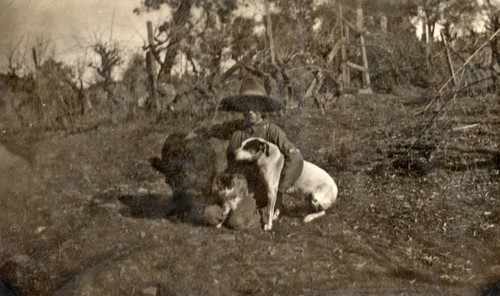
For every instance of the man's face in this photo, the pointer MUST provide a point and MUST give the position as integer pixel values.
(252, 116)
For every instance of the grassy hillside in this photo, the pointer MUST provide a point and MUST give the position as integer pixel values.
(84, 213)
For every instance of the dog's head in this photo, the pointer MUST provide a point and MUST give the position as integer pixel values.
(230, 186)
(322, 202)
(252, 149)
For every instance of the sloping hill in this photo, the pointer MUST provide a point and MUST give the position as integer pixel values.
(85, 214)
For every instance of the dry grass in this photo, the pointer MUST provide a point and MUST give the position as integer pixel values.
(84, 210)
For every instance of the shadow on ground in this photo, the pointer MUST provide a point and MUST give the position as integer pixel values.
(182, 207)
(151, 206)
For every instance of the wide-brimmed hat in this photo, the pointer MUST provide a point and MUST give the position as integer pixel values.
(252, 97)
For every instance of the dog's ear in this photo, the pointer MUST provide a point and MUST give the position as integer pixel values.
(266, 149)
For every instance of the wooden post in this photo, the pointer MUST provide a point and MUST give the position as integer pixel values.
(35, 58)
(450, 65)
(35, 62)
(343, 62)
(151, 68)
(359, 25)
(383, 24)
(347, 38)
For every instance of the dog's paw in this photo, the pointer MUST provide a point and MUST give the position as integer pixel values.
(218, 225)
(313, 216)
(308, 219)
(268, 227)
(276, 215)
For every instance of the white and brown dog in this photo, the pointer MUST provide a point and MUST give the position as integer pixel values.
(314, 182)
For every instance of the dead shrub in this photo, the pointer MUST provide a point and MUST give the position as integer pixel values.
(398, 59)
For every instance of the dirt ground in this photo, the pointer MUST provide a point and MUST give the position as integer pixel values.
(84, 213)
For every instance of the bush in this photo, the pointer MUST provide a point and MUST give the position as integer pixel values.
(53, 98)
(398, 59)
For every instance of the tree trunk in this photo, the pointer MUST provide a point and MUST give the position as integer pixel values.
(177, 32)
(269, 30)
(278, 75)
(495, 52)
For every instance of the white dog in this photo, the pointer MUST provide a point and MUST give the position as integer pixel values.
(314, 182)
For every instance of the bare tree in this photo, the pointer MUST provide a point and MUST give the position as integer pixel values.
(16, 58)
(172, 36)
(43, 49)
(109, 59)
(76, 81)
(432, 11)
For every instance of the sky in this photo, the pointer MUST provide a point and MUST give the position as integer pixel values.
(74, 24)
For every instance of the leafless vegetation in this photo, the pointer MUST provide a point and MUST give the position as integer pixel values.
(416, 162)
(300, 61)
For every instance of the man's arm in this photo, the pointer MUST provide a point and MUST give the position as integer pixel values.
(222, 131)
(277, 136)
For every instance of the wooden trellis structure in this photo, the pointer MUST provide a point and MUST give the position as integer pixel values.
(343, 37)
(344, 40)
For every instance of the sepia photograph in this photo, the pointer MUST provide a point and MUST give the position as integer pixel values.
(250, 147)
